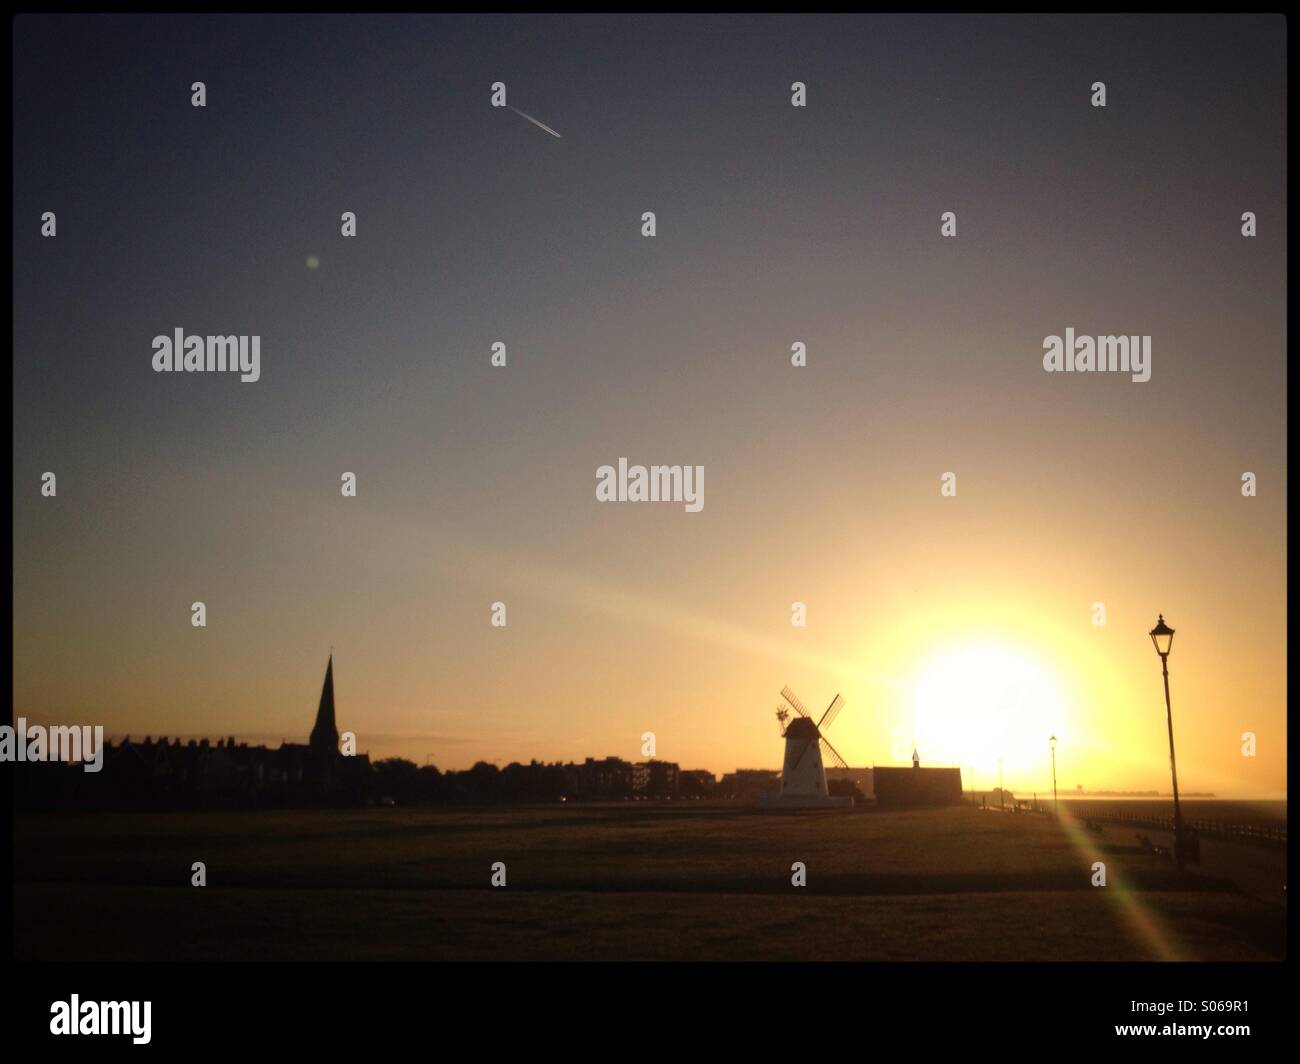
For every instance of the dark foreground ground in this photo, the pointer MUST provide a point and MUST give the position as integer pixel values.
(680, 881)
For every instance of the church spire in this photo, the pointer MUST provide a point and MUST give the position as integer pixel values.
(325, 735)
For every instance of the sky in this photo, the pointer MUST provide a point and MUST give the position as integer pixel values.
(961, 625)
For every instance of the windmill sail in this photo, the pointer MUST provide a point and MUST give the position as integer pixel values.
(832, 711)
(835, 754)
(793, 699)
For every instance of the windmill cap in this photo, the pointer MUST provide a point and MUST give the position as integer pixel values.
(801, 728)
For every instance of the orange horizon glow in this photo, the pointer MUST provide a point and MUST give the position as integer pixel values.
(966, 684)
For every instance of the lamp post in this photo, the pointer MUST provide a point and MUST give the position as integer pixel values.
(1002, 805)
(1056, 808)
(1162, 637)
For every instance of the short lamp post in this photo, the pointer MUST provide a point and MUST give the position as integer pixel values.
(1056, 808)
(1162, 637)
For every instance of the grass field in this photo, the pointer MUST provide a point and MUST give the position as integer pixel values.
(650, 881)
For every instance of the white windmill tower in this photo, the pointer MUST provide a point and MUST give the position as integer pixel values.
(803, 775)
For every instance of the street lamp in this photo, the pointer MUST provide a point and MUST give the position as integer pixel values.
(1056, 808)
(1162, 637)
(1002, 805)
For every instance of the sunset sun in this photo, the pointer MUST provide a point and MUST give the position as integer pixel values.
(981, 702)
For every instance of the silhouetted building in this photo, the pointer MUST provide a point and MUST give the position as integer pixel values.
(663, 778)
(611, 777)
(199, 773)
(750, 783)
(324, 738)
(696, 783)
(916, 786)
(861, 778)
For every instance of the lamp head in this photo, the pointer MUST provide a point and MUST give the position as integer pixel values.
(1162, 637)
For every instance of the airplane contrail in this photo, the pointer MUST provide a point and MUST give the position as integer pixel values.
(541, 125)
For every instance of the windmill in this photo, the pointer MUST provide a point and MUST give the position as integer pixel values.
(803, 775)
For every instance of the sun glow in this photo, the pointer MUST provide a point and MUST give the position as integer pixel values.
(985, 702)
